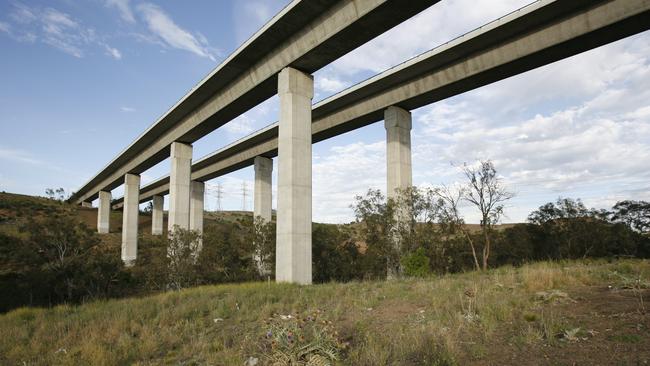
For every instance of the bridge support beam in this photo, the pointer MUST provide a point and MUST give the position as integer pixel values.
(293, 246)
(104, 212)
(157, 215)
(179, 186)
(197, 199)
(398, 149)
(130, 219)
(87, 204)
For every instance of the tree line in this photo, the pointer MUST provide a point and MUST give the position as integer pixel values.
(56, 259)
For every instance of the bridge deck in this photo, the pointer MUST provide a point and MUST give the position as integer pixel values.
(536, 35)
(306, 35)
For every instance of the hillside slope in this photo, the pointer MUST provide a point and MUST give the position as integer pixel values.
(541, 314)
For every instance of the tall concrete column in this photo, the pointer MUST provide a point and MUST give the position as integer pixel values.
(104, 212)
(130, 218)
(293, 246)
(399, 174)
(398, 149)
(262, 195)
(157, 215)
(197, 196)
(262, 209)
(179, 186)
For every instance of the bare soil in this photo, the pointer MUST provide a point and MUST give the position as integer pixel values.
(614, 330)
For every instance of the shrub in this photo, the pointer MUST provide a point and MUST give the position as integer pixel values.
(416, 264)
(335, 256)
(59, 260)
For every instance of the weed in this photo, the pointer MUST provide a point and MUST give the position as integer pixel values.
(531, 317)
(301, 339)
(625, 338)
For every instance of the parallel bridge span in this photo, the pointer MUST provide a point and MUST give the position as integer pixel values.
(304, 37)
(534, 36)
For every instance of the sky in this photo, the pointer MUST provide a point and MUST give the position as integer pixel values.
(81, 80)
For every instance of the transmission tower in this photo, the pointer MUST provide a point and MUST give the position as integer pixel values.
(219, 194)
(244, 193)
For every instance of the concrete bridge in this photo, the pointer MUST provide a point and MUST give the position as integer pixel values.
(280, 58)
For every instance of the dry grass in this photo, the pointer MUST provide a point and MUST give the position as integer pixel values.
(433, 321)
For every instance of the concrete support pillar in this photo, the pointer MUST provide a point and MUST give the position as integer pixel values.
(399, 174)
(262, 210)
(262, 194)
(157, 215)
(398, 149)
(293, 246)
(130, 219)
(179, 186)
(197, 196)
(104, 212)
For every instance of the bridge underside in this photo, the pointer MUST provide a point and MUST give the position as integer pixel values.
(539, 34)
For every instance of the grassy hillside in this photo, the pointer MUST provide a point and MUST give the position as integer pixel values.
(543, 314)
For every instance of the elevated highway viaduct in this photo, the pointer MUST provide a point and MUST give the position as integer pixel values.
(541, 33)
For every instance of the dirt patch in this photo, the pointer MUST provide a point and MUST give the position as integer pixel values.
(603, 326)
(397, 311)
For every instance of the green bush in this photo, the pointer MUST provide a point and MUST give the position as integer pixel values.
(58, 260)
(416, 264)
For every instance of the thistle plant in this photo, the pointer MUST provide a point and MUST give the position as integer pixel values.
(301, 339)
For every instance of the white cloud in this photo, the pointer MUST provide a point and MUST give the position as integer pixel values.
(19, 156)
(170, 33)
(23, 14)
(113, 52)
(127, 109)
(22, 157)
(329, 84)
(254, 119)
(124, 8)
(64, 33)
(5, 27)
(250, 15)
(55, 21)
(55, 28)
(240, 126)
(344, 172)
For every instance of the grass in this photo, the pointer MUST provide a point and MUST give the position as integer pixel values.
(454, 319)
